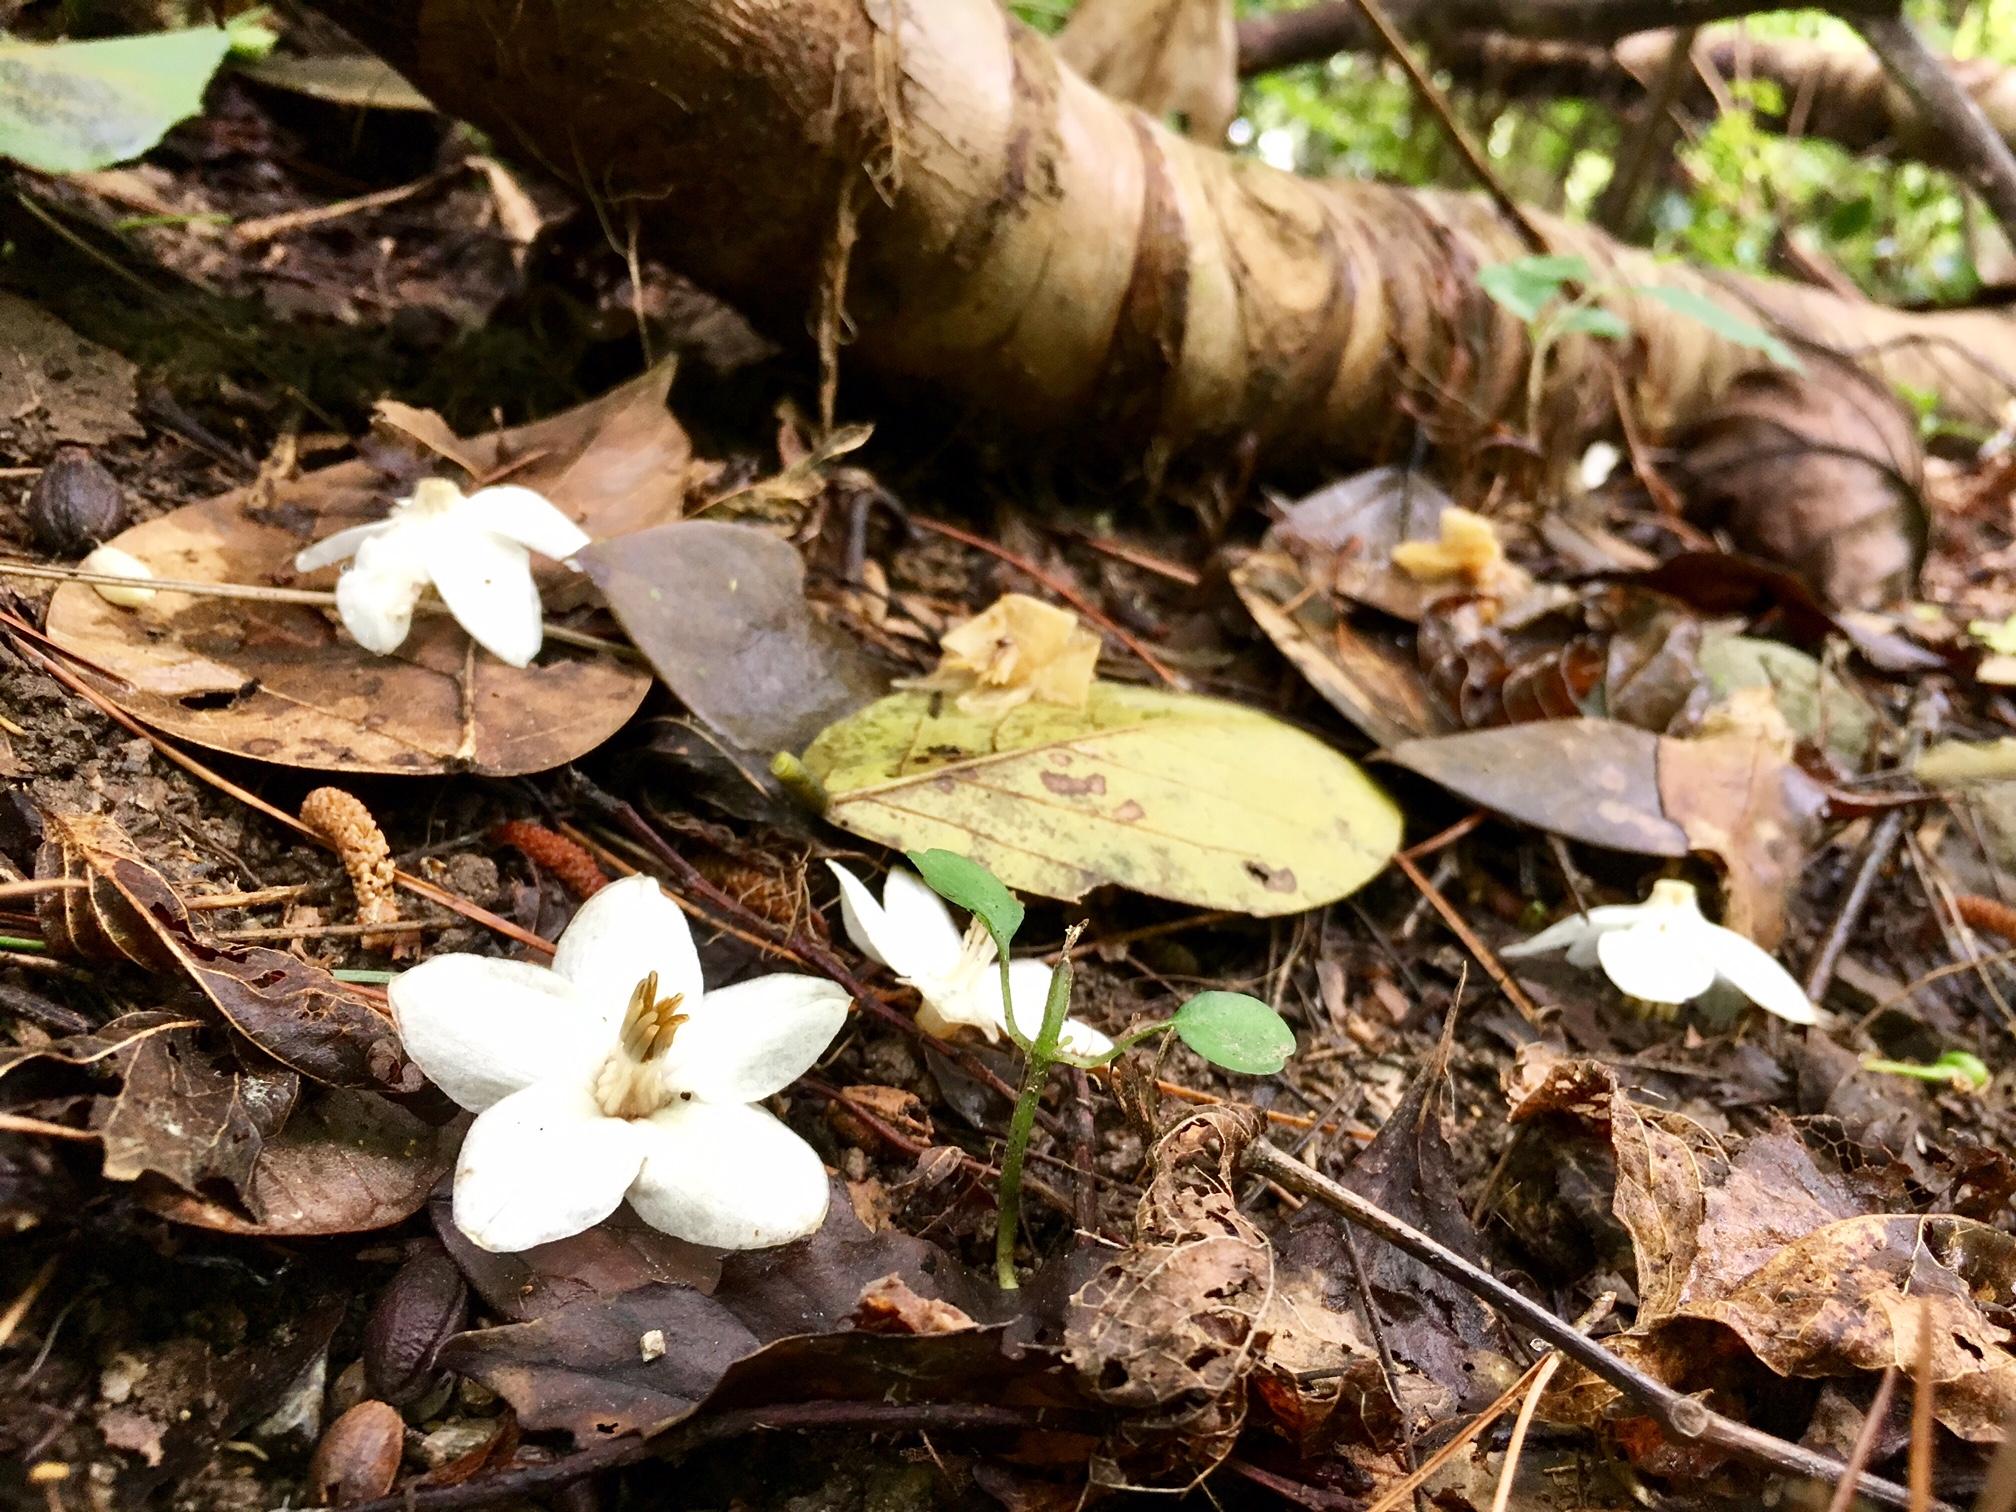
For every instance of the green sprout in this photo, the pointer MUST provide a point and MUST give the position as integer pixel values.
(1229, 1029)
(1963, 1071)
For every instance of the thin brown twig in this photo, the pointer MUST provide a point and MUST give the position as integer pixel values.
(1865, 1441)
(1485, 956)
(1479, 166)
(1057, 586)
(1681, 1416)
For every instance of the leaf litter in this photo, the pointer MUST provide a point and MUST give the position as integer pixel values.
(1776, 1224)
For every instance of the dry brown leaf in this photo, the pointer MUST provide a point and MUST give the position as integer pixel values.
(1782, 1253)
(180, 1115)
(295, 1012)
(346, 1163)
(1170, 57)
(1820, 471)
(1175, 1329)
(283, 683)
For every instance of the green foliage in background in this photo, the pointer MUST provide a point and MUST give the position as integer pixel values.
(1734, 192)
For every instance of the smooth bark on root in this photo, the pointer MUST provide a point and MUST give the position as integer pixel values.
(1054, 258)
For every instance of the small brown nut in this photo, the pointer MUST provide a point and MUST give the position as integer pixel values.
(359, 1456)
(422, 1305)
(75, 503)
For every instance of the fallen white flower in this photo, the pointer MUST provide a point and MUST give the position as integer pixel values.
(616, 1074)
(1598, 462)
(1664, 951)
(911, 932)
(476, 553)
(113, 562)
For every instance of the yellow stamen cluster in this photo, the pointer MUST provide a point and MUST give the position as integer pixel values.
(650, 1021)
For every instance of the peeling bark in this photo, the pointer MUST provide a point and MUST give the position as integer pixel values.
(1061, 260)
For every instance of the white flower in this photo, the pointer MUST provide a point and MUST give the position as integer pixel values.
(615, 1074)
(475, 551)
(1597, 464)
(1664, 951)
(911, 932)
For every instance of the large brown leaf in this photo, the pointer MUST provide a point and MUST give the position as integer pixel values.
(346, 1163)
(295, 1012)
(283, 683)
(1763, 1241)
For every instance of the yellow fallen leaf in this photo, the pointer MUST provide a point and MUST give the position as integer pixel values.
(1181, 797)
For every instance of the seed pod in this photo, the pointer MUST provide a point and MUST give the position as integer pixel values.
(75, 503)
(359, 1456)
(424, 1304)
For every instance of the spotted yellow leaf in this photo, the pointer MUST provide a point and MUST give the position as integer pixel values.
(1181, 797)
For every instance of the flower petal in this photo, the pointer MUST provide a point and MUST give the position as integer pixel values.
(337, 547)
(1755, 972)
(527, 517)
(920, 921)
(482, 1028)
(1575, 930)
(1029, 984)
(377, 592)
(543, 1164)
(744, 1042)
(618, 937)
(730, 1176)
(861, 914)
(486, 582)
(1657, 962)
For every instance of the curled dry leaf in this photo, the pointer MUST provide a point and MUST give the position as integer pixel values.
(283, 683)
(1784, 1254)
(1144, 788)
(295, 1012)
(1190, 1322)
(719, 611)
(1819, 470)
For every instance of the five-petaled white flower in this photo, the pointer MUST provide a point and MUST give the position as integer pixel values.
(1664, 951)
(616, 1074)
(474, 550)
(911, 932)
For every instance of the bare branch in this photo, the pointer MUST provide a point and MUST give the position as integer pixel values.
(1987, 163)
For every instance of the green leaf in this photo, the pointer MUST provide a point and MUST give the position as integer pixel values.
(1186, 798)
(1958, 1068)
(1526, 285)
(70, 107)
(1593, 320)
(1724, 323)
(1237, 1032)
(973, 888)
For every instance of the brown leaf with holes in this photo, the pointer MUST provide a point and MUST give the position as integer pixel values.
(1762, 1242)
(180, 1115)
(284, 683)
(346, 1163)
(1178, 1328)
(295, 1012)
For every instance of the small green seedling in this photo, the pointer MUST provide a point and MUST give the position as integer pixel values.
(1229, 1029)
(1959, 1069)
(1538, 291)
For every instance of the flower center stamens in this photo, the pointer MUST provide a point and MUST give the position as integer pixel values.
(631, 1083)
